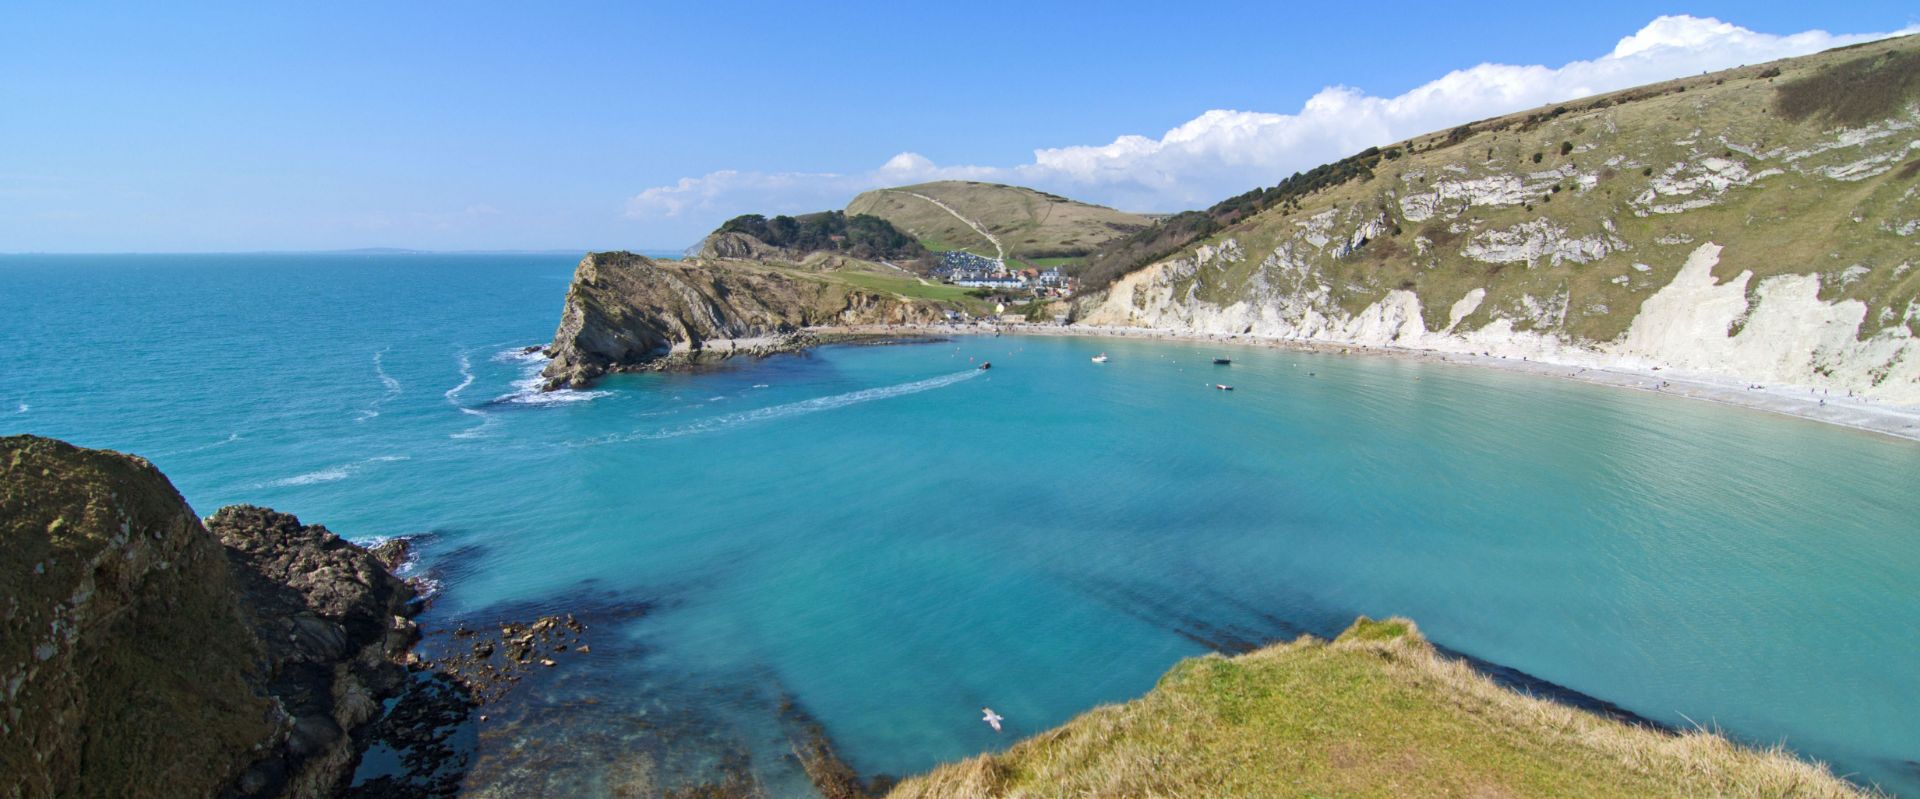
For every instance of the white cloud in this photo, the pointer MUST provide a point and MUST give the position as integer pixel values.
(1224, 152)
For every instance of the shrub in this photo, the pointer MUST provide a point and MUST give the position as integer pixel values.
(862, 236)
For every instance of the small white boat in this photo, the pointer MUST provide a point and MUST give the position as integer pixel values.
(1223, 387)
(1101, 358)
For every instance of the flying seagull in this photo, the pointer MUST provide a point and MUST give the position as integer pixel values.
(991, 718)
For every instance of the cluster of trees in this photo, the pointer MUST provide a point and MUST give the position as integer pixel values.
(862, 236)
(1123, 255)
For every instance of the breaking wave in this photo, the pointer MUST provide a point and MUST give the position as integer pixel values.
(486, 420)
(392, 385)
(527, 389)
(466, 378)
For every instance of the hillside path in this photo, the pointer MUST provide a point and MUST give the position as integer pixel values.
(999, 252)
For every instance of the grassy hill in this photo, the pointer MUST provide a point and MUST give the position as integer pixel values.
(1006, 221)
(1376, 712)
(1567, 232)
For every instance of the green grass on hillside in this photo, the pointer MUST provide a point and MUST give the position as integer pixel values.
(1029, 224)
(1375, 713)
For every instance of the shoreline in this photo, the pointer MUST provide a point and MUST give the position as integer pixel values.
(1854, 413)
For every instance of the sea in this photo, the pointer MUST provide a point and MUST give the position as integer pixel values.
(875, 542)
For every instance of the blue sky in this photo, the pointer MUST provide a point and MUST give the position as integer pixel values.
(199, 127)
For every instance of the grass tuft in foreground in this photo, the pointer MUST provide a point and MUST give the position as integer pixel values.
(1376, 712)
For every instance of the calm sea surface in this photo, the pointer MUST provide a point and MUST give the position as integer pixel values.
(888, 539)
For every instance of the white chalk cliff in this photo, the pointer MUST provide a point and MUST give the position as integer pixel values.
(1698, 226)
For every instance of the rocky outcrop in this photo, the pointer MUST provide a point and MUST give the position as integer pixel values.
(739, 245)
(148, 654)
(626, 312)
(332, 622)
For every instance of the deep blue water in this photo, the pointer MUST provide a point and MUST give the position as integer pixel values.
(892, 539)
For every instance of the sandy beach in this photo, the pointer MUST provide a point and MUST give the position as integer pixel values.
(1859, 413)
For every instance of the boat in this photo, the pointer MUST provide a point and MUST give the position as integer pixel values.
(1222, 361)
(985, 365)
(1223, 387)
(1101, 358)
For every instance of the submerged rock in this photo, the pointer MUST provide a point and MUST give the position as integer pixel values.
(146, 653)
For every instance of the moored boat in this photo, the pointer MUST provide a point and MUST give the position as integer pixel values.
(1222, 361)
(1101, 358)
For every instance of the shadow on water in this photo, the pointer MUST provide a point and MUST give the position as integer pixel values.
(1231, 625)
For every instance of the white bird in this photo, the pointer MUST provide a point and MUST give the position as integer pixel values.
(991, 718)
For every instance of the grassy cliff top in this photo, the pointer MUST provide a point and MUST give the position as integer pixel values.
(995, 220)
(1377, 712)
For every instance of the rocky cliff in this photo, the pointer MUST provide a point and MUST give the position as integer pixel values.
(1760, 224)
(628, 312)
(146, 653)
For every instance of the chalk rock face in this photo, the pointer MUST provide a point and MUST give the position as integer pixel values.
(627, 312)
(139, 656)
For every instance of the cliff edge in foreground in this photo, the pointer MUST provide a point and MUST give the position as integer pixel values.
(1377, 712)
(627, 312)
(146, 654)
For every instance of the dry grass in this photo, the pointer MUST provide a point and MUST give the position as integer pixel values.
(1856, 92)
(1375, 713)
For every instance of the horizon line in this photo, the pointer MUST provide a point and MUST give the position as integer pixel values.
(352, 251)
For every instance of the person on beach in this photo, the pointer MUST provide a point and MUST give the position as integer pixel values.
(991, 718)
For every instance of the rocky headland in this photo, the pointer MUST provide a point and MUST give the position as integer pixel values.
(627, 312)
(147, 653)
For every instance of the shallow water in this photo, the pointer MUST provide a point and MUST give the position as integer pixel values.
(890, 539)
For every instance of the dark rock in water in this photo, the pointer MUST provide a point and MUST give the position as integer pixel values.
(425, 732)
(429, 729)
(147, 655)
(830, 775)
(489, 666)
(393, 552)
(626, 312)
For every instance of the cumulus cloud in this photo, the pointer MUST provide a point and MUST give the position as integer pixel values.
(1224, 152)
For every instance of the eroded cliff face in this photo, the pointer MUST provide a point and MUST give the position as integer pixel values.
(144, 655)
(1705, 225)
(630, 312)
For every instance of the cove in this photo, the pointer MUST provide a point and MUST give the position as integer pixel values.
(887, 539)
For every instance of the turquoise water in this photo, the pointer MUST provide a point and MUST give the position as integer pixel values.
(891, 539)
